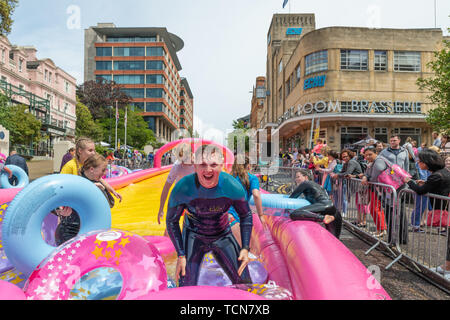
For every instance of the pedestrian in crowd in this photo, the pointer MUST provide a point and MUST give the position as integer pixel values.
(375, 167)
(67, 157)
(437, 183)
(16, 160)
(421, 204)
(396, 154)
(151, 158)
(333, 158)
(412, 159)
(423, 146)
(445, 143)
(436, 140)
(380, 146)
(298, 161)
(350, 169)
(447, 162)
(415, 149)
(318, 147)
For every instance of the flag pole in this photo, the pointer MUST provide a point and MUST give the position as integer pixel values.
(117, 120)
(126, 112)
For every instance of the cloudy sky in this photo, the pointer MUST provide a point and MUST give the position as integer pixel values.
(225, 40)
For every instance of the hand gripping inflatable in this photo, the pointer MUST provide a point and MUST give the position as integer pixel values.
(19, 173)
(139, 263)
(8, 291)
(21, 230)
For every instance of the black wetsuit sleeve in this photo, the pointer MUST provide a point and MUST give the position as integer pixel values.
(173, 227)
(298, 191)
(245, 214)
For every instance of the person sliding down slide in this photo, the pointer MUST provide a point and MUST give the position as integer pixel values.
(321, 208)
(207, 195)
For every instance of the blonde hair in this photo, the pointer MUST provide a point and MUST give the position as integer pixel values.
(81, 144)
(93, 161)
(434, 148)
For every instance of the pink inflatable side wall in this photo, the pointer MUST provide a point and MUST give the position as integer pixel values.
(306, 259)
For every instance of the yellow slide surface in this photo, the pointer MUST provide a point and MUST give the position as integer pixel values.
(138, 211)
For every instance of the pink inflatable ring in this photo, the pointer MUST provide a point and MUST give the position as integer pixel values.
(139, 263)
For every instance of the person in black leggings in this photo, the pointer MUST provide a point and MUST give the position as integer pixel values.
(321, 209)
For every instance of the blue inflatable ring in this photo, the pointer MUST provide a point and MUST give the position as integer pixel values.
(21, 230)
(280, 201)
(19, 173)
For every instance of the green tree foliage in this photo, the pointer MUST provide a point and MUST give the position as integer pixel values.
(439, 86)
(138, 133)
(23, 127)
(99, 95)
(7, 8)
(86, 126)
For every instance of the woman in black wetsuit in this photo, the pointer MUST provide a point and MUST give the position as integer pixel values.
(321, 209)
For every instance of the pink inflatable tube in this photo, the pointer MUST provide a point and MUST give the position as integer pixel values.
(125, 180)
(195, 143)
(139, 263)
(201, 293)
(306, 259)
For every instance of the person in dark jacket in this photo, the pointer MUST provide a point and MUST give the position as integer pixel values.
(437, 183)
(67, 157)
(16, 160)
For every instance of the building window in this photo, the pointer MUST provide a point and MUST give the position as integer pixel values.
(404, 133)
(380, 61)
(155, 93)
(280, 95)
(129, 65)
(288, 87)
(138, 106)
(20, 65)
(280, 66)
(129, 52)
(155, 65)
(155, 79)
(381, 134)
(134, 93)
(155, 107)
(67, 85)
(407, 61)
(129, 79)
(104, 51)
(103, 65)
(315, 62)
(354, 59)
(155, 52)
(3, 55)
(131, 39)
(50, 77)
(297, 74)
(105, 77)
(45, 75)
(350, 135)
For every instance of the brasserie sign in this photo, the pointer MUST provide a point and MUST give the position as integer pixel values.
(355, 106)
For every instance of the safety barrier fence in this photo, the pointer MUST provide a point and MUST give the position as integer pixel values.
(393, 220)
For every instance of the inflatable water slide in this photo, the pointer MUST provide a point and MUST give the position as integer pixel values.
(297, 260)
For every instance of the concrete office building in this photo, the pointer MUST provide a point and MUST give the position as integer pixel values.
(144, 62)
(357, 81)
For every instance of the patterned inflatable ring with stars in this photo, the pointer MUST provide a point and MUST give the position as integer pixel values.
(139, 263)
(23, 243)
(19, 173)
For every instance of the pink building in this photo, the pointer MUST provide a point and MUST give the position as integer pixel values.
(49, 91)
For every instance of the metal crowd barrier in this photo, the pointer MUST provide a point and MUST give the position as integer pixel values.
(427, 248)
